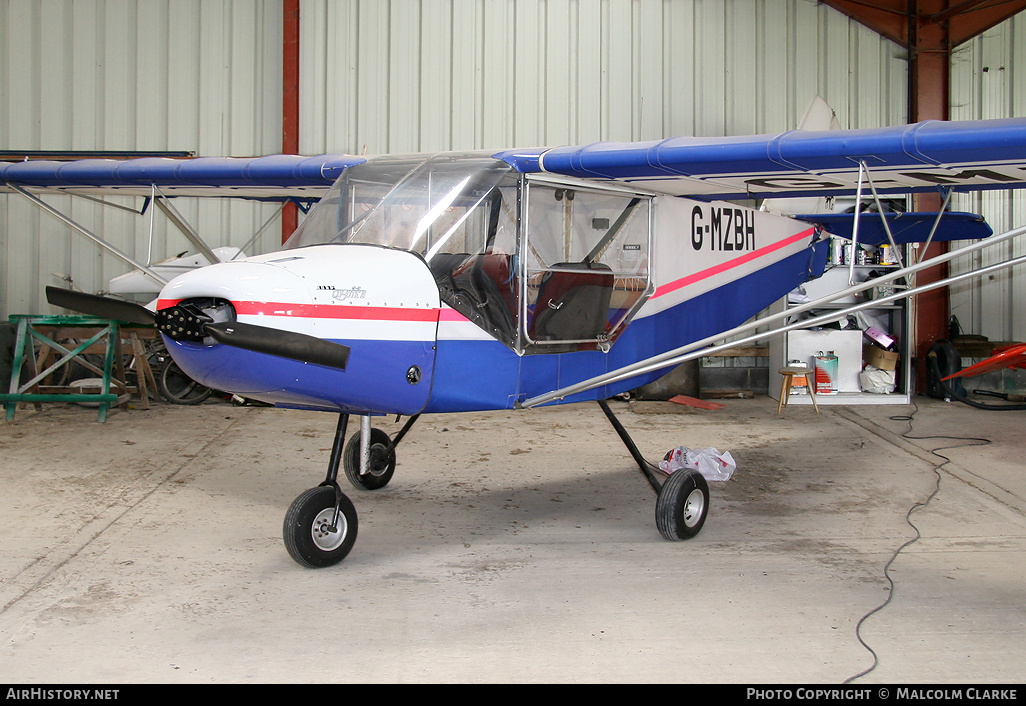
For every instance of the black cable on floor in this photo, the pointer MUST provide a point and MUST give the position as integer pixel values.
(908, 519)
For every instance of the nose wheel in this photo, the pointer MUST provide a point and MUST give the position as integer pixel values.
(320, 527)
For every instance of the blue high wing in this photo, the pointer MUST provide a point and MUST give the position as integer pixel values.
(275, 176)
(924, 156)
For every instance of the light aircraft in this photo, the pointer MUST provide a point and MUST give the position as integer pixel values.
(496, 281)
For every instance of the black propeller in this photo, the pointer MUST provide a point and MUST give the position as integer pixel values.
(103, 307)
(180, 322)
(286, 344)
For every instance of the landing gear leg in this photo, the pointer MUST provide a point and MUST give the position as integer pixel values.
(682, 499)
(320, 525)
(369, 457)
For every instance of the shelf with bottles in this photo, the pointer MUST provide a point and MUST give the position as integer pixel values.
(873, 262)
(878, 331)
(843, 252)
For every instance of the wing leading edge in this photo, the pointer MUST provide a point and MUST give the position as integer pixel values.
(274, 176)
(964, 156)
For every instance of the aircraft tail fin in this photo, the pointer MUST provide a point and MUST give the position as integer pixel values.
(818, 116)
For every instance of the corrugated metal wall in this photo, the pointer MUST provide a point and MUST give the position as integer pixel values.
(130, 75)
(397, 76)
(408, 76)
(988, 80)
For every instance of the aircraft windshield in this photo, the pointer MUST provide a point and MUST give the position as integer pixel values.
(459, 212)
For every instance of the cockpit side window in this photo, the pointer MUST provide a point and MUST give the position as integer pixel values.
(475, 265)
(586, 266)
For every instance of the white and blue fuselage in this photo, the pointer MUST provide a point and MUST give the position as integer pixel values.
(460, 284)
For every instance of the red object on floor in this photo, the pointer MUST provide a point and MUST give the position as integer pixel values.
(692, 402)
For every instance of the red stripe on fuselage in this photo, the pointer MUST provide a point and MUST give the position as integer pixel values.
(325, 311)
(382, 313)
(730, 264)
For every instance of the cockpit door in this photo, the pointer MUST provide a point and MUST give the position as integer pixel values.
(585, 266)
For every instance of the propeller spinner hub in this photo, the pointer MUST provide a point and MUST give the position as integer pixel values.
(189, 319)
(181, 324)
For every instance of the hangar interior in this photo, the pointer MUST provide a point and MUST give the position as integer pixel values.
(874, 539)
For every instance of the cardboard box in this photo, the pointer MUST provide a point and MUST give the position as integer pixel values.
(879, 358)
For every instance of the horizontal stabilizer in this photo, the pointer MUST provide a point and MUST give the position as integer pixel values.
(905, 227)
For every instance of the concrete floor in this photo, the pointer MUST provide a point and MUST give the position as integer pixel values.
(515, 547)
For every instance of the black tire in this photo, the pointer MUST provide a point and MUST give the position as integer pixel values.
(179, 388)
(382, 461)
(682, 505)
(306, 530)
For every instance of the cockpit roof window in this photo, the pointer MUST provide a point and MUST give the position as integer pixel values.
(402, 202)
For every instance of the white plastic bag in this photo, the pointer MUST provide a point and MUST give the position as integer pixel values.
(874, 379)
(712, 464)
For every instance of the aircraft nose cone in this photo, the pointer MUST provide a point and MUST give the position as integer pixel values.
(236, 282)
(379, 305)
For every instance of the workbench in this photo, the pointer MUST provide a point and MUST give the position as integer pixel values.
(90, 336)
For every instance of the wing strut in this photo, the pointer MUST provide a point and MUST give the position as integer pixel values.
(697, 349)
(87, 233)
(168, 209)
(864, 174)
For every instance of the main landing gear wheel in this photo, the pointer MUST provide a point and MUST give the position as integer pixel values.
(309, 535)
(382, 461)
(682, 505)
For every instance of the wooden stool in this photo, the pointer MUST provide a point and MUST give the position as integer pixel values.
(785, 386)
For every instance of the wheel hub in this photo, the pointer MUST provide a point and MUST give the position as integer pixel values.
(378, 465)
(326, 538)
(694, 507)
